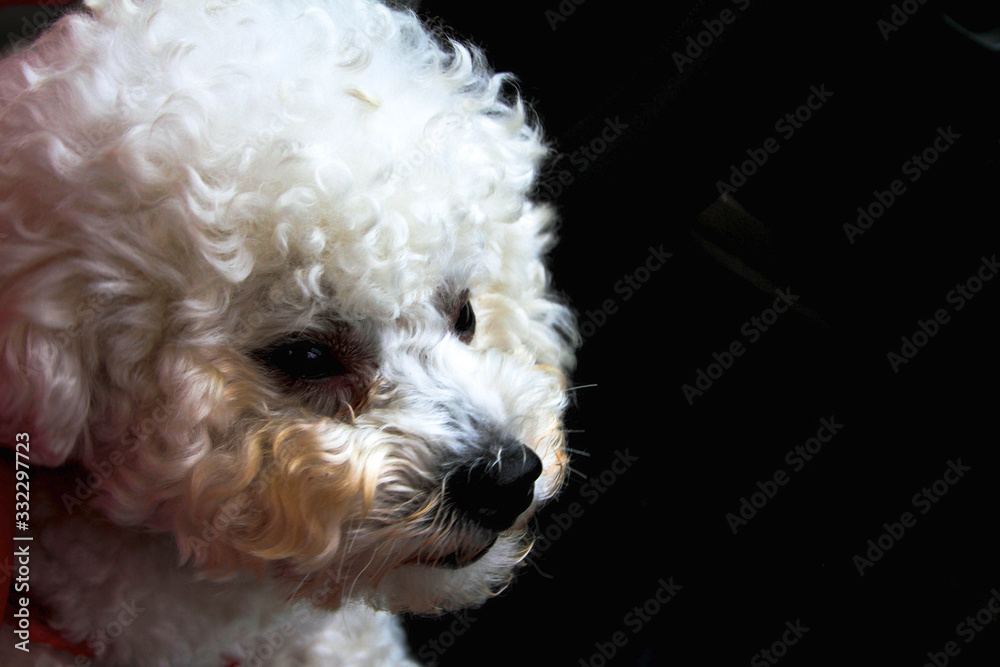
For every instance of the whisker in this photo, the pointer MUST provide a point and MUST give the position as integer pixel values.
(581, 386)
(357, 577)
(298, 588)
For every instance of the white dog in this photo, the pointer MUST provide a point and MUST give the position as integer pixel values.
(277, 345)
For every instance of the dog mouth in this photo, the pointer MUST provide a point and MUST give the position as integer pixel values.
(454, 559)
(475, 542)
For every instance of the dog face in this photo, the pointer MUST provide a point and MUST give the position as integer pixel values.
(271, 274)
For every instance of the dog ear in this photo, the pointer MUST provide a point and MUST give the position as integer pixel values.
(43, 392)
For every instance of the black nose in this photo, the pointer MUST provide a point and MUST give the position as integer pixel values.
(494, 491)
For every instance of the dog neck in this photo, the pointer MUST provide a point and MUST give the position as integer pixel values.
(114, 586)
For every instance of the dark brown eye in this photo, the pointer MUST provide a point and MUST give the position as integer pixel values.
(305, 360)
(465, 322)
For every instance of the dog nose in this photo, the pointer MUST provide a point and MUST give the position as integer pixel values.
(494, 491)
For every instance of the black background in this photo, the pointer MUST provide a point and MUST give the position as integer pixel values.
(665, 516)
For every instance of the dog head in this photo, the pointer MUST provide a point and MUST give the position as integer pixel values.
(271, 277)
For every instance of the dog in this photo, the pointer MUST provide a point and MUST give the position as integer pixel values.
(280, 353)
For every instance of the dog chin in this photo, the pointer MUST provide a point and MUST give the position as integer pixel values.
(448, 577)
(447, 582)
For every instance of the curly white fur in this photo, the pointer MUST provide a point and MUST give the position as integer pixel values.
(182, 184)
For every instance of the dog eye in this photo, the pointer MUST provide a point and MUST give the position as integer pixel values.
(306, 360)
(465, 322)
